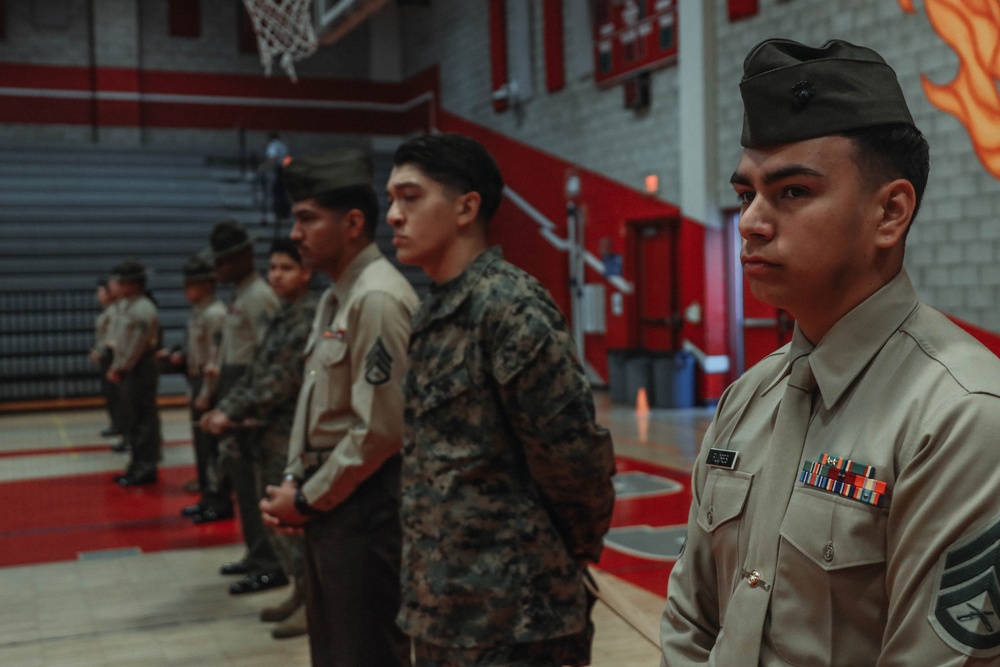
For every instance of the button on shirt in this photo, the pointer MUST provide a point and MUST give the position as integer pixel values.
(899, 388)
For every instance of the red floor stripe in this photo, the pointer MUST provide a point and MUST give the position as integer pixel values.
(56, 518)
(77, 449)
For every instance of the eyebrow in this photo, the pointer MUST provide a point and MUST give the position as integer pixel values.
(739, 178)
(402, 184)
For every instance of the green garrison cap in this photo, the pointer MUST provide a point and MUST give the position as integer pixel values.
(309, 176)
(793, 92)
(228, 238)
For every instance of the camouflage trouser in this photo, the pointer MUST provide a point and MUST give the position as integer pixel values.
(270, 455)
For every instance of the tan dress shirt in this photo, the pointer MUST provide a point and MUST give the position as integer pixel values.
(900, 389)
(349, 416)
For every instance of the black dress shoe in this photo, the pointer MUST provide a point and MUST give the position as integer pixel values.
(191, 510)
(110, 432)
(239, 567)
(129, 479)
(253, 583)
(208, 515)
(121, 447)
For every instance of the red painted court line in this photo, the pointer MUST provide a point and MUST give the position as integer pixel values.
(79, 449)
(661, 510)
(57, 518)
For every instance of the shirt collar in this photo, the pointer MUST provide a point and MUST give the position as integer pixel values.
(445, 297)
(855, 339)
(342, 286)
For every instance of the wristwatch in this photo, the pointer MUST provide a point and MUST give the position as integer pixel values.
(289, 477)
(302, 505)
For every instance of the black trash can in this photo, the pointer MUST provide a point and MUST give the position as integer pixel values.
(673, 380)
(622, 391)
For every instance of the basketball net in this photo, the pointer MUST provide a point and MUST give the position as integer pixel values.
(284, 31)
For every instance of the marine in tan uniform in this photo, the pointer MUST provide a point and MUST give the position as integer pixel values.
(133, 368)
(201, 348)
(507, 489)
(101, 355)
(253, 305)
(846, 509)
(342, 478)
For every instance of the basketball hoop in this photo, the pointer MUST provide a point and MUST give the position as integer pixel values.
(284, 31)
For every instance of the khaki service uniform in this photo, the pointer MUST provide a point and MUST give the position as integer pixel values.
(345, 446)
(204, 335)
(911, 402)
(136, 336)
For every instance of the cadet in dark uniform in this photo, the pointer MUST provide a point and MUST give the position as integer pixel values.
(507, 488)
(846, 503)
(136, 339)
(342, 479)
(264, 401)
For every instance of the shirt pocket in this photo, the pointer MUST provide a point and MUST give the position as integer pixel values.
(830, 580)
(446, 385)
(724, 498)
(331, 390)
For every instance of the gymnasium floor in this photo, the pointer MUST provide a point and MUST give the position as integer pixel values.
(92, 575)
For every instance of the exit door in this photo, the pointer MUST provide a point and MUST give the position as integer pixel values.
(653, 249)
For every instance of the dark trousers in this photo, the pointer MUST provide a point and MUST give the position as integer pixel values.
(142, 425)
(352, 556)
(112, 393)
(206, 445)
(236, 460)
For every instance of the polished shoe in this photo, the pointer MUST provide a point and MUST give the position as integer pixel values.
(293, 626)
(237, 567)
(129, 479)
(191, 510)
(253, 583)
(284, 609)
(110, 432)
(121, 447)
(208, 515)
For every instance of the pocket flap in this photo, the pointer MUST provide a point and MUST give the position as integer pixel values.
(724, 498)
(833, 532)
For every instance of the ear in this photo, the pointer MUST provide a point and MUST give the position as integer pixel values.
(898, 201)
(355, 220)
(467, 208)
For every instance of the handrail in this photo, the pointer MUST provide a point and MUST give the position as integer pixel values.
(547, 231)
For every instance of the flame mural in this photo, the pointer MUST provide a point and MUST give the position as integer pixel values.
(972, 29)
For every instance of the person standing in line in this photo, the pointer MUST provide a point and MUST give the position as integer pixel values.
(507, 490)
(251, 309)
(101, 355)
(263, 403)
(842, 510)
(204, 334)
(133, 369)
(342, 480)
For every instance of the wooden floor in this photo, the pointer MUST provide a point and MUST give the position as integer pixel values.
(111, 576)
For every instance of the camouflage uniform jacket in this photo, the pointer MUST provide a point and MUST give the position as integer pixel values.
(269, 387)
(507, 488)
(136, 332)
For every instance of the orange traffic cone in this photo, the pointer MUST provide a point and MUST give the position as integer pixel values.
(641, 403)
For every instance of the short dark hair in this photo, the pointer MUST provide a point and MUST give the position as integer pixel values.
(887, 152)
(456, 162)
(285, 246)
(361, 197)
